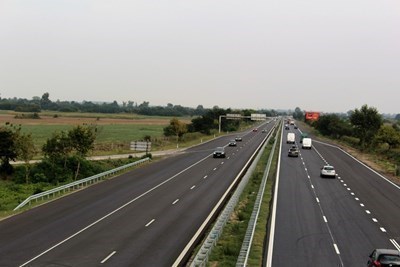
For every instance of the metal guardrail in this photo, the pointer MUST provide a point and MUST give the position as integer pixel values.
(78, 184)
(248, 238)
(202, 255)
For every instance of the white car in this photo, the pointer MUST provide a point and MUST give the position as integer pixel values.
(328, 171)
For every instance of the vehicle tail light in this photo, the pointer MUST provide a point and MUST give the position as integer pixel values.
(377, 264)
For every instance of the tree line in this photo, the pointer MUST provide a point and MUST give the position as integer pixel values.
(38, 104)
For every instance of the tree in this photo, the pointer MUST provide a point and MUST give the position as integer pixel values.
(298, 114)
(332, 125)
(25, 151)
(8, 150)
(58, 147)
(367, 122)
(387, 134)
(82, 141)
(176, 128)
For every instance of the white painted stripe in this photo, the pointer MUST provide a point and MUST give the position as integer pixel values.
(357, 199)
(205, 177)
(312, 186)
(150, 222)
(305, 169)
(192, 187)
(344, 184)
(374, 220)
(339, 177)
(368, 212)
(176, 201)
(222, 163)
(361, 204)
(214, 169)
(317, 199)
(309, 177)
(348, 189)
(111, 213)
(395, 244)
(325, 220)
(108, 257)
(352, 193)
(336, 249)
(383, 229)
(230, 157)
(362, 163)
(341, 181)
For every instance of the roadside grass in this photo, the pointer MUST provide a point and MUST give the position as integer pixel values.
(228, 246)
(256, 254)
(11, 194)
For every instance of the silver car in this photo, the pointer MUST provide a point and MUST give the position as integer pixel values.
(328, 171)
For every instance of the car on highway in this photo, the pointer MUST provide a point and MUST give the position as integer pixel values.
(238, 138)
(293, 152)
(232, 143)
(219, 152)
(255, 130)
(264, 131)
(287, 127)
(296, 127)
(328, 171)
(384, 257)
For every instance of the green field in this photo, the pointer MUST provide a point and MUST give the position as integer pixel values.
(105, 133)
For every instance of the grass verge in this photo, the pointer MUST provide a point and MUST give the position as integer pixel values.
(228, 247)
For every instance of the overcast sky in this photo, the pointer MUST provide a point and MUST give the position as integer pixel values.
(320, 55)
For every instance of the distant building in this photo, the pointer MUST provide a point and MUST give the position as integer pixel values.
(312, 115)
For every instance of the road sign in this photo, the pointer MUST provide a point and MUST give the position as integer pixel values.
(141, 146)
(258, 117)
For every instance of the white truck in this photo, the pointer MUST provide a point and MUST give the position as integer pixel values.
(307, 143)
(290, 138)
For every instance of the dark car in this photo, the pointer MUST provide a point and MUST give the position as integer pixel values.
(238, 139)
(219, 152)
(264, 130)
(295, 126)
(287, 127)
(232, 143)
(255, 130)
(293, 152)
(384, 258)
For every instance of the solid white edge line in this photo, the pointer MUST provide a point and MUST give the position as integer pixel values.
(317, 199)
(274, 205)
(176, 201)
(108, 257)
(192, 187)
(362, 163)
(216, 207)
(325, 220)
(149, 223)
(395, 244)
(111, 213)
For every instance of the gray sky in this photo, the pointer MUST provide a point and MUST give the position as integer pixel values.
(321, 55)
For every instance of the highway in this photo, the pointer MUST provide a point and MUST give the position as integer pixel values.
(330, 222)
(151, 216)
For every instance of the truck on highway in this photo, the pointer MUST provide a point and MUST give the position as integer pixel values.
(302, 136)
(307, 143)
(290, 138)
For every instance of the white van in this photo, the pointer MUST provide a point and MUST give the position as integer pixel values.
(290, 138)
(307, 143)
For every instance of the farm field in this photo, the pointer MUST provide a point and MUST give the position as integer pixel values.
(114, 131)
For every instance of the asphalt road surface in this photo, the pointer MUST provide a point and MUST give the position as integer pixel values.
(150, 216)
(330, 222)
